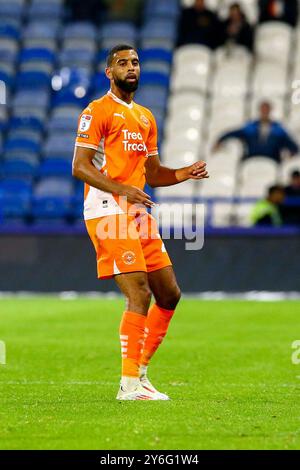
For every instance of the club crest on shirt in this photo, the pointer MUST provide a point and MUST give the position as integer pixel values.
(144, 120)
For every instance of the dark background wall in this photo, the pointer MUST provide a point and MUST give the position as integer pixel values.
(59, 263)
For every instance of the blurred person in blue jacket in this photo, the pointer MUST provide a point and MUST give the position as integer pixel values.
(263, 137)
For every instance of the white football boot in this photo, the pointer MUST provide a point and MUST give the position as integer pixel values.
(148, 385)
(133, 389)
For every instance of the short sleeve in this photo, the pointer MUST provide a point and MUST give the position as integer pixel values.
(151, 143)
(91, 127)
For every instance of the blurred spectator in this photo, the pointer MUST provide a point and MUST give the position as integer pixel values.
(123, 10)
(262, 137)
(293, 189)
(85, 10)
(199, 25)
(236, 28)
(266, 212)
(291, 209)
(278, 10)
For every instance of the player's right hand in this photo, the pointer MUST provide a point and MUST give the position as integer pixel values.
(135, 195)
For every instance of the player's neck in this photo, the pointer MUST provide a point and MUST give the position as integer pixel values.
(125, 96)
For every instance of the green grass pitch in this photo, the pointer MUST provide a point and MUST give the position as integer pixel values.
(226, 365)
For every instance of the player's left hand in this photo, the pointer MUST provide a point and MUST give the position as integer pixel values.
(197, 171)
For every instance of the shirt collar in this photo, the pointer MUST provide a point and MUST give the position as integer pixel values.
(118, 100)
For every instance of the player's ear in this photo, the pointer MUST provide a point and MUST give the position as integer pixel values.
(108, 73)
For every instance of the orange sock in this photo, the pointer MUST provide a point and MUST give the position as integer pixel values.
(132, 337)
(156, 326)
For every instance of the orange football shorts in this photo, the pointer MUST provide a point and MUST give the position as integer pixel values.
(127, 243)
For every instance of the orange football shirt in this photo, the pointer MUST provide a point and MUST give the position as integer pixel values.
(123, 136)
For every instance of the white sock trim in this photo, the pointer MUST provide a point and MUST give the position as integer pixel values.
(143, 370)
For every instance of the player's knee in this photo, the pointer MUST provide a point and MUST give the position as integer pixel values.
(175, 297)
(139, 299)
(169, 298)
(145, 295)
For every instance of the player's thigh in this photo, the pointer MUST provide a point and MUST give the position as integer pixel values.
(164, 287)
(135, 288)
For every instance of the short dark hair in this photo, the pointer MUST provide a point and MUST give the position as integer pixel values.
(117, 48)
(274, 188)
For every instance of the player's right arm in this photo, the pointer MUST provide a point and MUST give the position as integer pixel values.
(92, 126)
(84, 169)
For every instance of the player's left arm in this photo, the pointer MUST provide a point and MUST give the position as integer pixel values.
(159, 175)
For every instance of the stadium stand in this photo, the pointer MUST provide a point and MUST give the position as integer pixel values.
(51, 67)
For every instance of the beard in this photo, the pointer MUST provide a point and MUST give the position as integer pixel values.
(124, 85)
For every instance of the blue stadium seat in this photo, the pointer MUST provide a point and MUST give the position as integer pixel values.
(79, 30)
(48, 207)
(71, 97)
(162, 8)
(37, 54)
(53, 186)
(82, 44)
(64, 118)
(9, 49)
(21, 144)
(44, 10)
(31, 99)
(161, 55)
(158, 34)
(116, 32)
(66, 123)
(15, 198)
(76, 58)
(100, 84)
(12, 9)
(7, 74)
(72, 78)
(25, 155)
(33, 80)
(42, 30)
(101, 59)
(41, 43)
(60, 145)
(30, 135)
(156, 60)
(52, 198)
(154, 79)
(55, 167)
(77, 201)
(9, 30)
(66, 111)
(36, 115)
(26, 123)
(152, 97)
(18, 169)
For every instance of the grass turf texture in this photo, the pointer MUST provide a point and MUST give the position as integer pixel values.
(226, 365)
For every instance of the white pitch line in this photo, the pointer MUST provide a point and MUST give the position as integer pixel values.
(51, 382)
(172, 384)
(263, 296)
